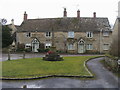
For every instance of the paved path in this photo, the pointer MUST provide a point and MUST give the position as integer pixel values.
(29, 55)
(105, 79)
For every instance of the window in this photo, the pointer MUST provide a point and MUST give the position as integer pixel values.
(89, 46)
(47, 45)
(105, 33)
(27, 45)
(28, 34)
(48, 34)
(71, 34)
(89, 34)
(106, 46)
(70, 46)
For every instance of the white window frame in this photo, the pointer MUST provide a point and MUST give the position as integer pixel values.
(71, 34)
(27, 45)
(48, 45)
(89, 47)
(89, 34)
(71, 46)
(48, 34)
(28, 34)
(104, 47)
(105, 33)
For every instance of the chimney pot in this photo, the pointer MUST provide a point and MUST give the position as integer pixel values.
(25, 16)
(12, 21)
(78, 13)
(94, 14)
(65, 13)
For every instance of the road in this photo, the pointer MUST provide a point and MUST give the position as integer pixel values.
(104, 79)
(4, 57)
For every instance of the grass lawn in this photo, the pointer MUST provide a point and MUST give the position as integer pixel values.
(36, 67)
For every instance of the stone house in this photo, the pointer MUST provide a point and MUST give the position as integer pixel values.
(115, 46)
(71, 34)
(115, 38)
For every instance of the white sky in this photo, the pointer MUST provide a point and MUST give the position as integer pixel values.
(14, 9)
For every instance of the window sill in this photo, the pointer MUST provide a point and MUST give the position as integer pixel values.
(71, 37)
(106, 49)
(48, 37)
(89, 49)
(90, 37)
(105, 36)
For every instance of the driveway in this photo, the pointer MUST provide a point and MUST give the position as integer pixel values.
(105, 79)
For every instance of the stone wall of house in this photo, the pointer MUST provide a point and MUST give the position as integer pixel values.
(106, 40)
(114, 45)
(119, 38)
(61, 42)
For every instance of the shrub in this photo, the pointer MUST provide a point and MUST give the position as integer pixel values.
(53, 56)
(28, 50)
(92, 52)
(41, 50)
(21, 47)
(47, 49)
(60, 51)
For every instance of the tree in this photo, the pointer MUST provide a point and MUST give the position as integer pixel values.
(7, 38)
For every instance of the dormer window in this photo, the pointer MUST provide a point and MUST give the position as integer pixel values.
(105, 33)
(71, 34)
(48, 34)
(89, 34)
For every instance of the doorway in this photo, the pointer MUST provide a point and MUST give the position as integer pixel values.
(35, 45)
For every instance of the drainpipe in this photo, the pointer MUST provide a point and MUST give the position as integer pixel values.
(100, 40)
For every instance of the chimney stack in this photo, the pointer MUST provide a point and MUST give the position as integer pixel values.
(78, 13)
(94, 14)
(25, 16)
(65, 13)
(12, 21)
(119, 9)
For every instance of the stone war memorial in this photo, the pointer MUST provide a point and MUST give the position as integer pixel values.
(52, 55)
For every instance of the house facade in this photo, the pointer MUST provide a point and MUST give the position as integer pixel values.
(115, 46)
(71, 34)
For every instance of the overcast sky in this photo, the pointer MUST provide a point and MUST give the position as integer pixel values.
(14, 9)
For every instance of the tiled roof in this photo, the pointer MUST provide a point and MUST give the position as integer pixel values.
(64, 24)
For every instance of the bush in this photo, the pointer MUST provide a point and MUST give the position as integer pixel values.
(60, 51)
(92, 52)
(41, 50)
(20, 49)
(47, 49)
(28, 50)
(53, 57)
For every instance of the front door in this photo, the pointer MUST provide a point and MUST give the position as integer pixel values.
(35, 45)
(81, 48)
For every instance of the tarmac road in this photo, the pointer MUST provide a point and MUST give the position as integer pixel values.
(105, 79)
(4, 56)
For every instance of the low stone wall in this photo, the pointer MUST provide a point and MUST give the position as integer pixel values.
(112, 63)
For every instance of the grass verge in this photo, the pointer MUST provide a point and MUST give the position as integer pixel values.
(36, 67)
